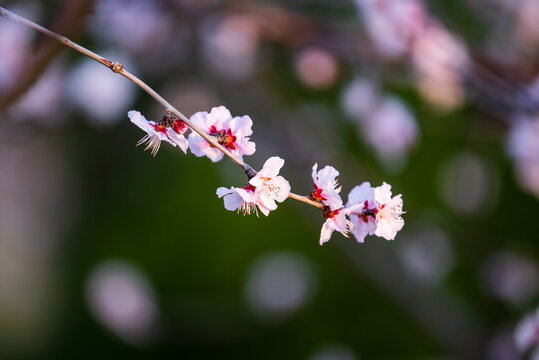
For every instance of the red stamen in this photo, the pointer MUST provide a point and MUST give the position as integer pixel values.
(316, 195)
(179, 127)
(249, 187)
(160, 128)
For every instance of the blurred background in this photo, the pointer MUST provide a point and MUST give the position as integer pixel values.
(105, 250)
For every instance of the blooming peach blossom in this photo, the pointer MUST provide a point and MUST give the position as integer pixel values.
(231, 132)
(170, 130)
(326, 189)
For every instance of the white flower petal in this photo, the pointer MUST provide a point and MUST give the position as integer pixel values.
(327, 230)
(360, 194)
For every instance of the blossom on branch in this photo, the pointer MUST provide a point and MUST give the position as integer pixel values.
(266, 187)
(371, 211)
(231, 132)
(269, 185)
(388, 216)
(326, 189)
(336, 221)
(363, 218)
(168, 129)
(241, 199)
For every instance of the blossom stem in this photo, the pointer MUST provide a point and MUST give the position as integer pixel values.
(118, 68)
(306, 200)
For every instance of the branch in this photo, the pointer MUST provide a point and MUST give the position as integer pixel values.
(118, 68)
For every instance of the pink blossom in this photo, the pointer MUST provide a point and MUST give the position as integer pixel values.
(242, 200)
(326, 189)
(263, 190)
(389, 211)
(363, 218)
(269, 186)
(375, 211)
(168, 129)
(231, 132)
(336, 221)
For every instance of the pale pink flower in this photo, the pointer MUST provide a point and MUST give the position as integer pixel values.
(241, 200)
(169, 130)
(269, 186)
(363, 218)
(326, 189)
(389, 211)
(527, 332)
(336, 221)
(231, 132)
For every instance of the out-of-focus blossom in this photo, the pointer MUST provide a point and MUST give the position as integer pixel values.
(316, 68)
(326, 189)
(390, 129)
(392, 24)
(103, 96)
(523, 140)
(363, 223)
(231, 132)
(388, 217)
(122, 298)
(230, 45)
(241, 199)
(385, 122)
(359, 98)
(279, 284)
(137, 25)
(511, 277)
(523, 147)
(468, 184)
(439, 60)
(269, 185)
(169, 130)
(527, 24)
(527, 332)
(426, 254)
(404, 29)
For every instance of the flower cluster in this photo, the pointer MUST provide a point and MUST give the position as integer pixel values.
(368, 210)
(231, 132)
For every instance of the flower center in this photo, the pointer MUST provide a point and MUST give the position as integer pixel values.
(224, 137)
(249, 187)
(179, 126)
(160, 128)
(328, 213)
(316, 195)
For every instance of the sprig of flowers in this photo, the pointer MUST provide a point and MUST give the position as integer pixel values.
(217, 133)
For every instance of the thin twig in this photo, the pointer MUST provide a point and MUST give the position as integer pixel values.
(116, 67)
